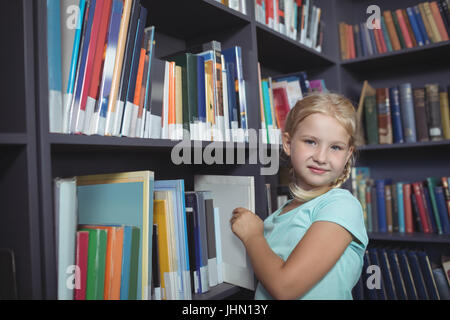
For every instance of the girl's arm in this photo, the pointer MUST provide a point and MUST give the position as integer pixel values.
(316, 254)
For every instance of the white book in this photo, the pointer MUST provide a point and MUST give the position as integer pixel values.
(66, 230)
(218, 245)
(230, 192)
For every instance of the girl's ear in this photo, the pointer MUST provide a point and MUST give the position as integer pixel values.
(350, 152)
(286, 143)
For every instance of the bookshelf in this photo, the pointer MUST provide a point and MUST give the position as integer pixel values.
(32, 157)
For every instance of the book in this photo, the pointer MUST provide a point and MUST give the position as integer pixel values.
(384, 116)
(420, 114)
(442, 209)
(55, 106)
(407, 112)
(445, 113)
(433, 111)
(237, 269)
(81, 260)
(66, 234)
(397, 126)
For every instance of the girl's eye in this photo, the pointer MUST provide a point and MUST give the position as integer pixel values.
(310, 142)
(337, 148)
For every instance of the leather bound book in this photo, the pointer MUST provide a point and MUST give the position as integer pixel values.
(434, 111)
(407, 112)
(384, 116)
(445, 113)
(421, 114)
(391, 30)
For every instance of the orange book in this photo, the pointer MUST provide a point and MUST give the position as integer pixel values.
(343, 40)
(113, 266)
(404, 28)
(391, 30)
(410, 30)
(438, 19)
(140, 74)
(377, 40)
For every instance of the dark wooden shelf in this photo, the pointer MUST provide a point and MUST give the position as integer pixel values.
(427, 144)
(188, 19)
(432, 54)
(410, 237)
(281, 53)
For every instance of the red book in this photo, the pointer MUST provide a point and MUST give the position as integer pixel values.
(382, 40)
(409, 228)
(269, 13)
(377, 40)
(99, 8)
(281, 105)
(351, 42)
(446, 193)
(81, 260)
(404, 28)
(421, 205)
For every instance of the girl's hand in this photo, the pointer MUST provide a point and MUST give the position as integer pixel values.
(245, 224)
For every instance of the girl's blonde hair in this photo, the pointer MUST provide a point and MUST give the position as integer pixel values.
(336, 106)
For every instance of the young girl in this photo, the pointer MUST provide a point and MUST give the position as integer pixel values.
(313, 246)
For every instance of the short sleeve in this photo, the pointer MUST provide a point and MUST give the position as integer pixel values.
(342, 208)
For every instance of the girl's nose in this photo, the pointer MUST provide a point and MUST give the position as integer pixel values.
(320, 155)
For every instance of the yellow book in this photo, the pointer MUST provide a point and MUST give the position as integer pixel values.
(209, 85)
(445, 114)
(112, 199)
(432, 22)
(160, 219)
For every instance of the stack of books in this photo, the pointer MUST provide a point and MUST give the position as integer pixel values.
(278, 95)
(405, 207)
(299, 20)
(425, 23)
(128, 236)
(404, 113)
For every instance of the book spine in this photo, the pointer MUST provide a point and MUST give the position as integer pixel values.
(389, 213)
(438, 20)
(391, 30)
(397, 127)
(445, 186)
(371, 117)
(384, 116)
(445, 113)
(400, 207)
(386, 35)
(407, 112)
(434, 111)
(443, 14)
(410, 30)
(420, 114)
(421, 206)
(404, 28)
(421, 25)
(426, 22)
(82, 264)
(398, 30)
(415, 26)
(407, 208)
(381, 205)
(432, 22)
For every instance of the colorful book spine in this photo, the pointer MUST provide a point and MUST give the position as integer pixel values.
(397, 126)
(407, 112)
(421, 25)
(82, 249)
(415, 26)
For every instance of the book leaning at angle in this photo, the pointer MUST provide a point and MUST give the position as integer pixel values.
(230, 192)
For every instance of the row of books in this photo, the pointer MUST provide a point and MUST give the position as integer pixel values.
(402, 113)
(419, 206)
(99, 62)
(129, 236)
(278, 95)
(425, 23)
(204, 94)
(238, 5)
(402, 274)
(299, 20)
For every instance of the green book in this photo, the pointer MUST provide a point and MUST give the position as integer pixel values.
(134, 264)
(95, 281)
(431, 183)
(371, 119)
(399, 31)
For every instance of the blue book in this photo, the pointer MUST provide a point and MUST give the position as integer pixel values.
(407, 112)
(387, 275)
(421, 25)
(81, 67)
(374, 260)
(372, 40)
(54, 66)
(397, 127)
(427, 272)
(401, 207)
(232, 97)
(441, 283)
(127, 113)
(177, 187)
(386, 35)
(362, 37)
(442, 209)
(234, 55)
(415, 26)
(381, 205)
(416, 271)
(367, 38)
(399, 283)
(369, 293)
(407, 275)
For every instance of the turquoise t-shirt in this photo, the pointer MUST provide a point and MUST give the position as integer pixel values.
(283, 232)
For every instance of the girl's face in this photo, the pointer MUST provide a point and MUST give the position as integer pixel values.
(319, 150)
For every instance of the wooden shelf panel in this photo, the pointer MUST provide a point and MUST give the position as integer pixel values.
(410, 237)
